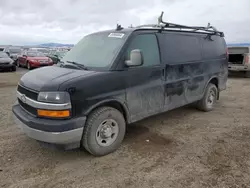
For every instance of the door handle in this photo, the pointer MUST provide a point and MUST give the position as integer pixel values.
(163, 75)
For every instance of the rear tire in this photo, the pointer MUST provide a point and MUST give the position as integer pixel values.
(104, 131)
(206, 104)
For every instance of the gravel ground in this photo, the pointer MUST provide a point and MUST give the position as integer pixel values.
(181, 148)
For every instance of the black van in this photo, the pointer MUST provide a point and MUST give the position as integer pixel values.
(117, 77)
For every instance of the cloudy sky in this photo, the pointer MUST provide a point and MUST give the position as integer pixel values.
(67, 21)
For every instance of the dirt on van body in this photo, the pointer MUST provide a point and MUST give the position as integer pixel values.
(181, 148)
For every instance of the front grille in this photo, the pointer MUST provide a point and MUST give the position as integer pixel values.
(43, 61)
(28, 108)
(30, 94)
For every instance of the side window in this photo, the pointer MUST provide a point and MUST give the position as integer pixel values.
(148, 45)
(214, 48)
(180, 48)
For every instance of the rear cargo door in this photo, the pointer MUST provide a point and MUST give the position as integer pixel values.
(181, 53)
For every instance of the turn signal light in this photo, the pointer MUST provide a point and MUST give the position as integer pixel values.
(54, 113)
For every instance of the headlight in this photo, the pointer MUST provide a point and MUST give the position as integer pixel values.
(54, 97)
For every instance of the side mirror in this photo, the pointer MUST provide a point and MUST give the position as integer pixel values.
(136, 58)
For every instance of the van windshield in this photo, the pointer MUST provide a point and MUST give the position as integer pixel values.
(96, 50)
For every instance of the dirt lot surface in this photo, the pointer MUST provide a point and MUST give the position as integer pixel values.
(181, 148)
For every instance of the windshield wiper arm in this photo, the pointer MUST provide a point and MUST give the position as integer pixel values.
(81, 66)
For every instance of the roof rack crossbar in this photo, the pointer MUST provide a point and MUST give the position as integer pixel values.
(167, 25)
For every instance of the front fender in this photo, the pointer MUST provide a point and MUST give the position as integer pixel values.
(109, 102)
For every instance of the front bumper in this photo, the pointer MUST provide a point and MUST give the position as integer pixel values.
(238, 68)
(60, 132)
(36, 65)
(6, 66)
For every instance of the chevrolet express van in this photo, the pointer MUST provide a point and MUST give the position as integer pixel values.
(117, 77)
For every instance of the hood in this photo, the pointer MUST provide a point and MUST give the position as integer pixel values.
(50, 78)
(38, 58)
(5, 60)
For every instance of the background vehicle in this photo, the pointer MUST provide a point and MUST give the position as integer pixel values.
(45, 51)
(13, 52)
(239, 60)
(33, 59)
(56, 56)
(6, 63)
(117, 77)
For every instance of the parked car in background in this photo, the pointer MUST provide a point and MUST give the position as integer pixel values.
(45, 51)
(33, 59)
(56, 56)
(239, 60)
(3, 48)
(6, 63)
(13, 52)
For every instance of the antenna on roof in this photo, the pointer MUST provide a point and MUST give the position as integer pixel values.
(160, 18)
(118, 27)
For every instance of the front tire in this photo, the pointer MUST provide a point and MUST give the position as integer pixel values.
(28, 66)
(13, 69)
(18, 63)
(104, 131)
(206, 104)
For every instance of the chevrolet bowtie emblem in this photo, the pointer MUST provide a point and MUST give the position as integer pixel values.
(23, 98)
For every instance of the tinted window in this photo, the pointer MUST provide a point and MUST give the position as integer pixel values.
(35, 54)
(3, 55)
(180, 48)
(214, 48)
(15, 50)
(147, 43)
(96, 50)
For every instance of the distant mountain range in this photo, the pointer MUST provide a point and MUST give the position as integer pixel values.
(55, 45)
(238, 44)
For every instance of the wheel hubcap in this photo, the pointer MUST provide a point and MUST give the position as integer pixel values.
(107, 132)
(211, 97)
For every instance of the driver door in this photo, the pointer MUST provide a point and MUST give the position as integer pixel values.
(144, 84)
(22, 58)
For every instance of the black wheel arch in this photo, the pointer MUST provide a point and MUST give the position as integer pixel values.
(214, 80)
(114, 103)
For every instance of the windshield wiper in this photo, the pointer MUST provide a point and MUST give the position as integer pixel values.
(81, 66)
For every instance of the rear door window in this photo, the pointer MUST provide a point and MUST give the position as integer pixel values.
(179, 48)
(213, 47)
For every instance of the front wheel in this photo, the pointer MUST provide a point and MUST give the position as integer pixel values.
(13, 69)
(18, 63)
(207, 102)
(104, 131)
(28, 65)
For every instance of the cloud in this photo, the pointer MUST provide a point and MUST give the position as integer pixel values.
(30, 22)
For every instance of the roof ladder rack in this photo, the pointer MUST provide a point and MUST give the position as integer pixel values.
(167, 25)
